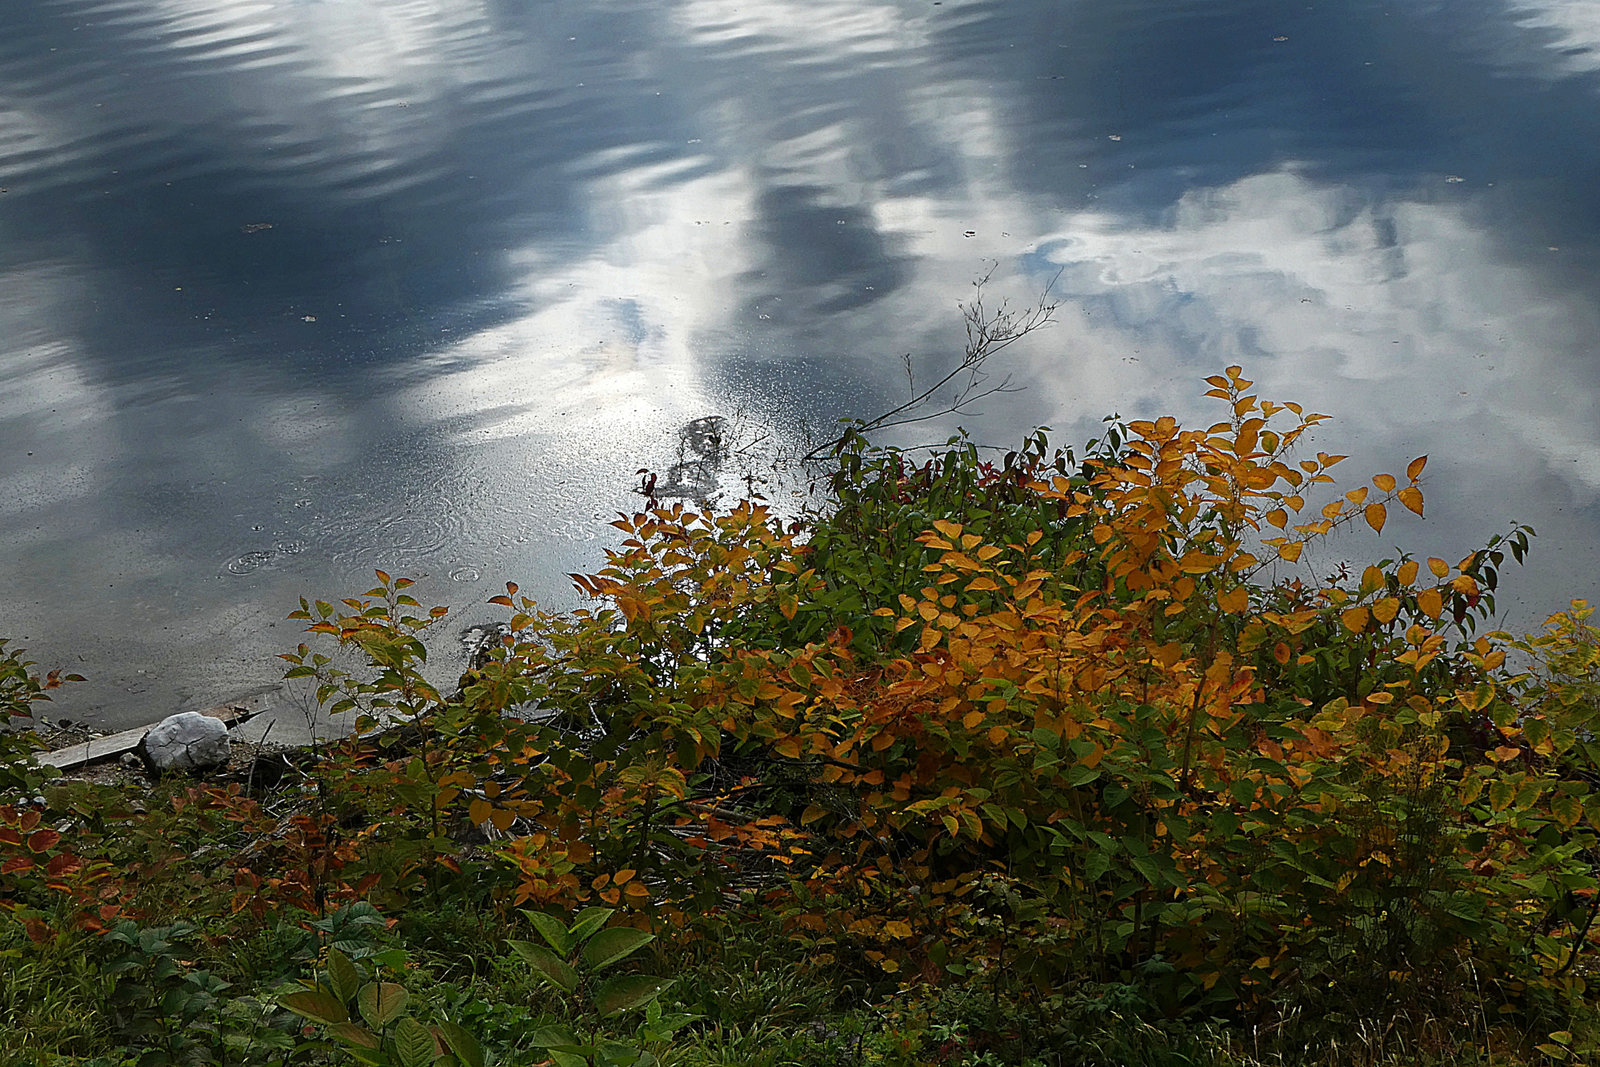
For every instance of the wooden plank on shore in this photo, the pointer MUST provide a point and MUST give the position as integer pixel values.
(111, 745)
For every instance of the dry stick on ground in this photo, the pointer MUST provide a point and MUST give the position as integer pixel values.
(988, 332)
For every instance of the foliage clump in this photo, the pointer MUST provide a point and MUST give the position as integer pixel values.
(989, 743)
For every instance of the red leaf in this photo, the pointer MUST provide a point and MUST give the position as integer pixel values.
(43, 840)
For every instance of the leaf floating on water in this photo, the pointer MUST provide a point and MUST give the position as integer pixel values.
(256, 227)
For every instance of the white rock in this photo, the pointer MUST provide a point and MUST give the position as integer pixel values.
(187, 741)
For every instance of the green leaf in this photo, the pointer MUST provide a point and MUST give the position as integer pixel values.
(616, 1054)
(552, 930)
(630, 991)
(547, 965)
(567, 1059)
(463, 1044)
(555, 1037)
(1096, 864)
(413, 1043)
(613, 944)
(343, 978)
(381, 1002)
(355, 1035)
(318, 1005)
(589, 920)
(1078, 774)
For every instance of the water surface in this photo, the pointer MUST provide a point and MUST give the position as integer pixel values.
(292, 290)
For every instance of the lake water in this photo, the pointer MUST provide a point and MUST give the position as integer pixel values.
(293, 289)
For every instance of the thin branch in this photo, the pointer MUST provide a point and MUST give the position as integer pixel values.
(988, 334)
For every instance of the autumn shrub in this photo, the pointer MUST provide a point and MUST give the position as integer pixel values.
(1037, 727)
(1110, 709)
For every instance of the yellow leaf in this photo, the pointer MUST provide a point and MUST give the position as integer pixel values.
(1438, 566)
(1465, 584)
(1235, 600)
(928, 611)
(997, 734)
(1371, 579)
(1407, 572)
(1414, 471)
(1356, 496)
(1291, 551)
(789, 746)
(897, 929)
(812, 813)
(622, 876)
(951, 530)
(1411, 497)
(1376, 513)
(1430, 602)
(972, 719)
(1384, 482)
(1386, 609)
(1278, 517)
(502, 818)
(1332, 508)
(1354, 619)
(478, 811)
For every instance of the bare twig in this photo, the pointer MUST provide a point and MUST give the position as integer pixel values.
(988, 333)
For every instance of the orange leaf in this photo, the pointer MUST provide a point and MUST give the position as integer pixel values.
(1356, 496)
(1386, 609)
(1411, 497)
(1291, 551)
(1376, 513)
(1235, 600)
(1414, 471)
(1438, 566)
(1278, 517)
(1430, 602)
(1371, 579)
(1407, 572)
(502, 818)
(1384, 482)
(1354, 619)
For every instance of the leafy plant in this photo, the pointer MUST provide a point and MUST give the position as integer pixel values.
(176, 1014)
(21, 687)
(365, 1012)
(571, 962)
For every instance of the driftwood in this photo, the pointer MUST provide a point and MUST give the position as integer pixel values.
(113, 745)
